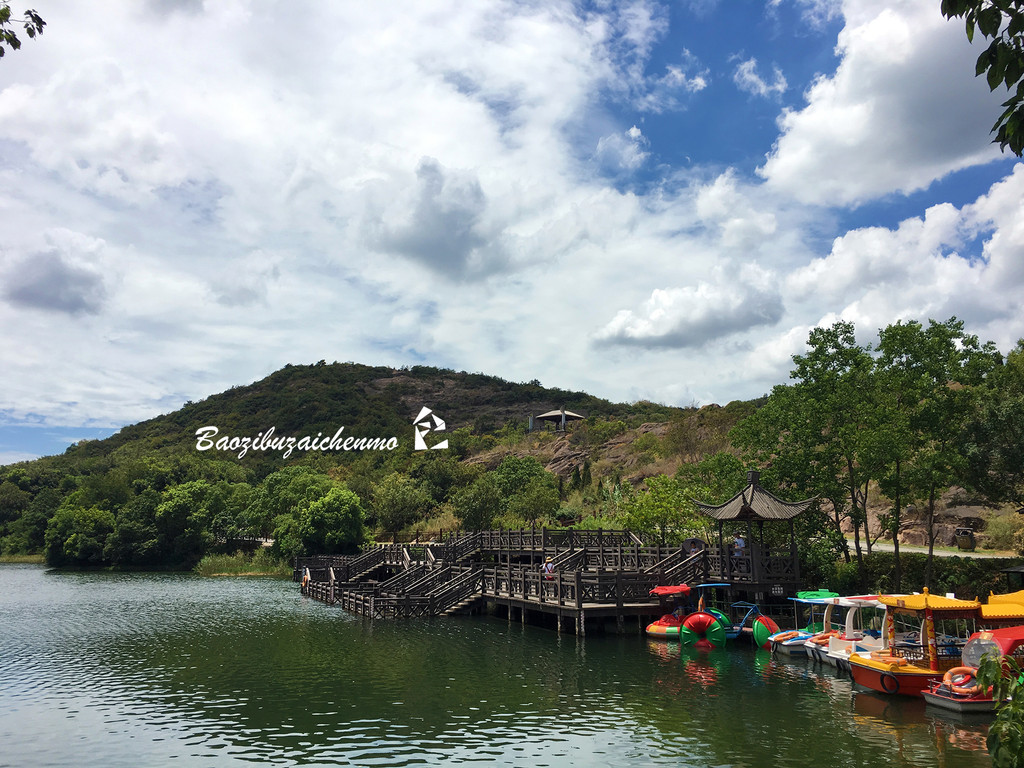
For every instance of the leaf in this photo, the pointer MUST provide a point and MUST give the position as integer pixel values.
(989, 21)
(994, 76)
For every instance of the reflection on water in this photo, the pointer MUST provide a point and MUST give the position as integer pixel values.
(153, 669)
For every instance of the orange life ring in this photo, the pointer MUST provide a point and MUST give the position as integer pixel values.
(970, 672)
(784, 636)
(823, 638)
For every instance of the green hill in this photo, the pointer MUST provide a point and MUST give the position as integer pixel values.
(147, 496)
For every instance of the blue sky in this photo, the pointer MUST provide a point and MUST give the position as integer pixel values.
(638, 199)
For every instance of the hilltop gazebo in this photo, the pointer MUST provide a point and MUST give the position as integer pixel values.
(559, 418)
(755, 567)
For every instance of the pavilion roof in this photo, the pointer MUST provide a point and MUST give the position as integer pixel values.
(557, 415)
(754, 503)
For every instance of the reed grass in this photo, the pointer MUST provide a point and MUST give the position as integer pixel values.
(33, 559)
(262, 563)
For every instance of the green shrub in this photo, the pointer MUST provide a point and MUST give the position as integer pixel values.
(1005, 532)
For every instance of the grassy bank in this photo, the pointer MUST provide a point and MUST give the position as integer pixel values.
(240, 564)
(34, 559)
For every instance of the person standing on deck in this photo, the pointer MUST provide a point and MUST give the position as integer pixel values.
(548, 569)
(738, 545)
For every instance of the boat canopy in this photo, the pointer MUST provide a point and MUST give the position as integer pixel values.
(1012, 597)
(1009, 639)
(927, 601)
(682, 590)
(1002, 612)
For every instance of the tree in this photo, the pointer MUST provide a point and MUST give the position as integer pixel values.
(398, 503)
(995, 436)
(1006, 735)
(515, 473)
(182, 523)
(476, 506)
(76, 535)
(281, 493)
(538, 500)
(32, 23)
(332, 524)
(1002, 22)
(662, 509)
(813, 434)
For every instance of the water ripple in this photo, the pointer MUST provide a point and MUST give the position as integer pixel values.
(153, 669)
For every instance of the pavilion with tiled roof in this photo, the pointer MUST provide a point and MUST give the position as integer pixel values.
(756, 567)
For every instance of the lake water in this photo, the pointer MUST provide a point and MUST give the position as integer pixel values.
(100, 669)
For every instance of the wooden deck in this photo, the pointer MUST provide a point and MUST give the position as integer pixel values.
(599, 577)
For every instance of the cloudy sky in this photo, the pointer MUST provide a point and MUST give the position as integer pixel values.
(638, 199)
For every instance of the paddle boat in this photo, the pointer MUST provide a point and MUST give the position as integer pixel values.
(670, 625)
(707, 627)
(958, 690)
(667, 627)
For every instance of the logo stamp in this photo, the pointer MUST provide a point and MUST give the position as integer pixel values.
(427, 422)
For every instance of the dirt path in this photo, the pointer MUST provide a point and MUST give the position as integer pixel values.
(886, 546)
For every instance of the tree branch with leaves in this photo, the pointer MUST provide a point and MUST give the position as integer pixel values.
(31, 21)
(1002, 22)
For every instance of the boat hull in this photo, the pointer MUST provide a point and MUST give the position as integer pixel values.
(789, 643)
(890, 678)
(663, 632)
(964, 705)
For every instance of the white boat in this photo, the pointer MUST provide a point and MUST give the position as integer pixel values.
(857, 634)
(792, 642)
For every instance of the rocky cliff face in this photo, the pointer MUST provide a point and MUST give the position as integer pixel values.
(955, 509)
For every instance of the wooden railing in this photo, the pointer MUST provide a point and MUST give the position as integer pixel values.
(452, 592)
(569, 589)
(398, 584)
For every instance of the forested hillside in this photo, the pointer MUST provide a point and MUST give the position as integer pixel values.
(148, 497)
(882, 435)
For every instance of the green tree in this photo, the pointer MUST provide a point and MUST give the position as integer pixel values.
(281, 493)
(31, 22)
(950, 366)
(332, 524)
(398, 503)
(182, 523)
(1002, 62)
(515, 473)
(661, 509)
(27, 534)
(1006, 734)
(76, 535)
(135, 540)
(476, 506)
(994, 439)
(537, 501)
(813, 434)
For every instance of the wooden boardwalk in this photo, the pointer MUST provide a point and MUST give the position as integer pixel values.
(599, 577)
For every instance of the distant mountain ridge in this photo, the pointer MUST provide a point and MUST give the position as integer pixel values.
(370, 400)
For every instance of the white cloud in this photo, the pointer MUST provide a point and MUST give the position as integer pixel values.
(693, 316)
(748, 80)
(622, 152)
(919, 270)
(902, 110)
(816, 12)
(408, 183)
